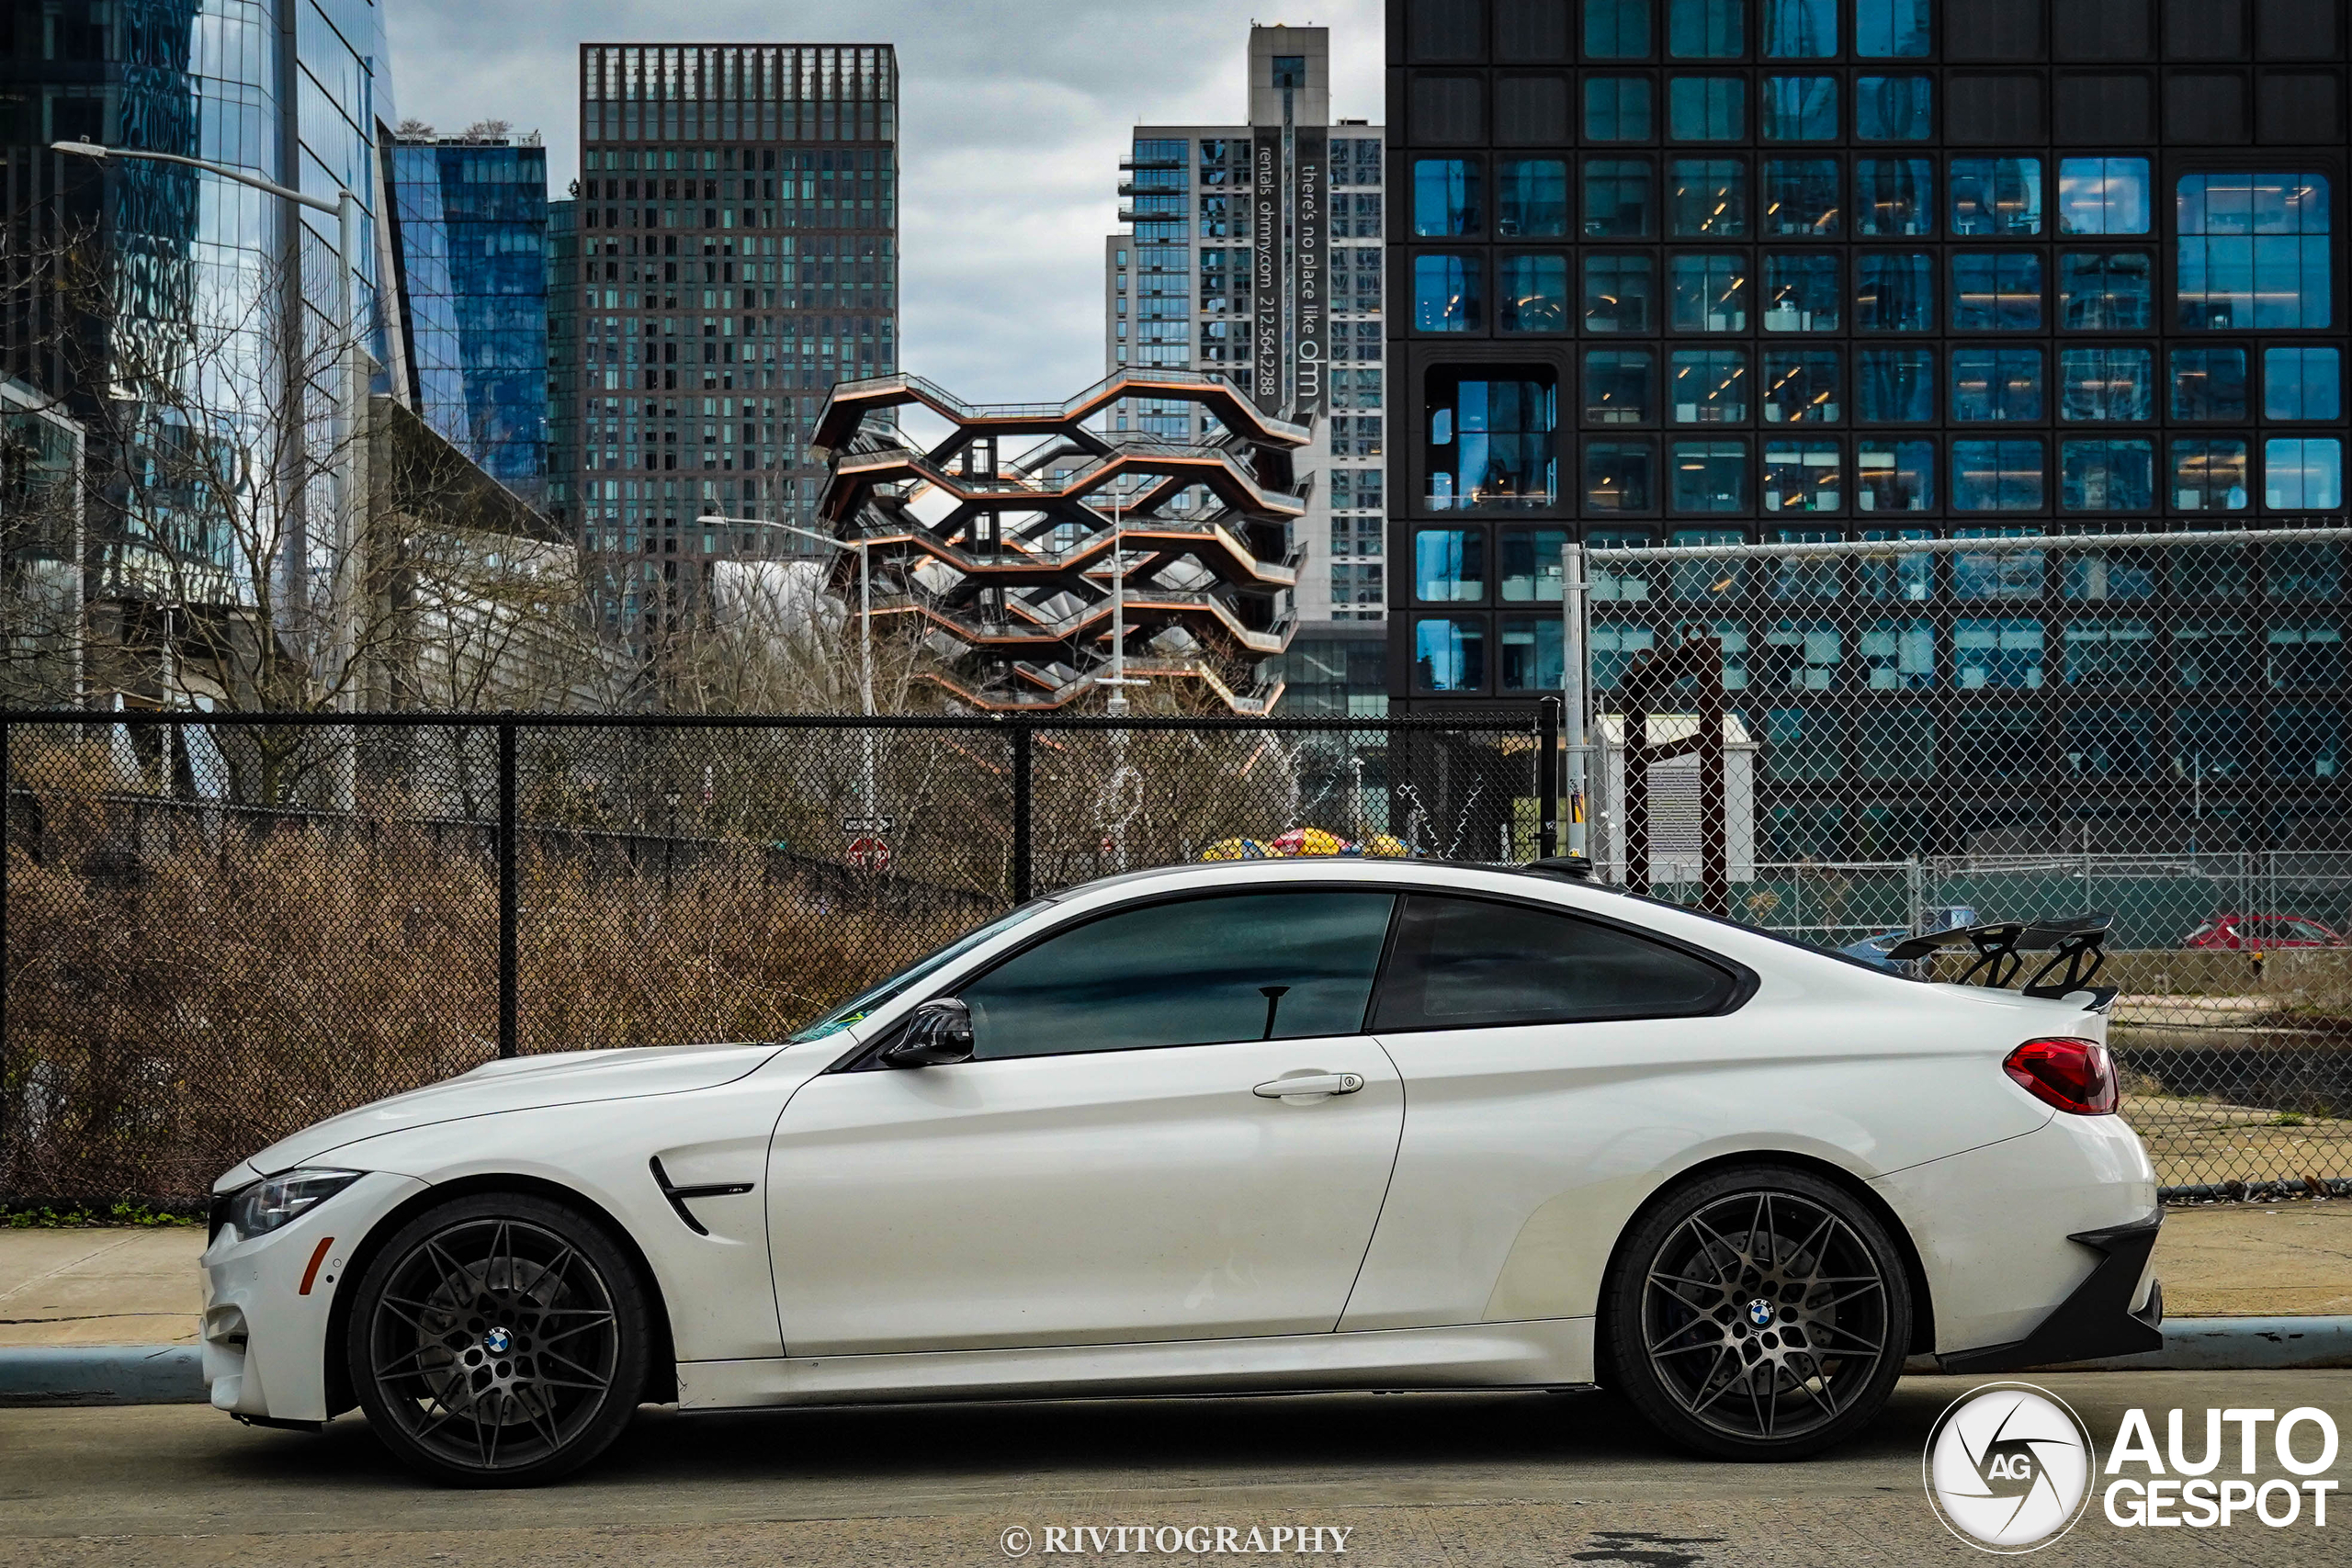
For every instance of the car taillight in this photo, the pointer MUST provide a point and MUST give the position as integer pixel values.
(2075, 1076)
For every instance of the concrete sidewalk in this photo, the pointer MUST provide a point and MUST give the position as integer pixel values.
(2257, 1259)
(140, 1287)
(126, 1286)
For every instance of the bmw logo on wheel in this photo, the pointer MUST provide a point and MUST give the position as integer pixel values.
(497, 1341)
(2008, 1467)
(1759, 1313)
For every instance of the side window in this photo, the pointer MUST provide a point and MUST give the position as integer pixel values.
(1461, 963)
(1197, 972)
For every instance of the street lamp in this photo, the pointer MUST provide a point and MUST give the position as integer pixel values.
(865, 616)
(346, 208)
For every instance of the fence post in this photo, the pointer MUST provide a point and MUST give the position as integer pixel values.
(1547, 777)
(7, 839)
(509, 900)
(1021, 794)
(1575, 687)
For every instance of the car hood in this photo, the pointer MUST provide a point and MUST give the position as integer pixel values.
(522, 1083)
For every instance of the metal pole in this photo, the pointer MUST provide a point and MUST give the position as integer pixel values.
(866, 623)
(344, 584)
(2022, 544)
(350, 420)
(1547, 777)
(865, 655)
(509, 893)
(1117, 707)
(7, 839)
(1575, 687)
(81, 570)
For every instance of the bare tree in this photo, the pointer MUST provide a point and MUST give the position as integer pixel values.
(248, 553)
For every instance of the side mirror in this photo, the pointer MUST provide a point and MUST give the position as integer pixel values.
(939, 1033)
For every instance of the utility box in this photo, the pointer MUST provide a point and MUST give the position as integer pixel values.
(1675, 805)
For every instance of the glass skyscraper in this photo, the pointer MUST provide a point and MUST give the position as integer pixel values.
(1289, 309)
(201, 271)
(738, 233)
(1853, 272)
(563, 361)
(469, 239)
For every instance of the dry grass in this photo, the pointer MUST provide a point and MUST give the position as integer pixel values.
(182, 992)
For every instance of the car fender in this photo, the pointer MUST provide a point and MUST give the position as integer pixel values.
(716, 1282)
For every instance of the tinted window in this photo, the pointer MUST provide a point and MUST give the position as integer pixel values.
(1460, 962)
(1193, 972)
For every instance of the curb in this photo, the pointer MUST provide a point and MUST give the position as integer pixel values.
(174, 1374)
(102, 1375)
(2236, 1345)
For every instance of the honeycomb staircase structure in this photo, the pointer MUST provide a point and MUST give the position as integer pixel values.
(1008, 566)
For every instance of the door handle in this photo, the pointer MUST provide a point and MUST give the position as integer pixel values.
(1319, 1083)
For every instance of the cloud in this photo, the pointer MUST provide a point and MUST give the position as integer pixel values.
(1015, 116)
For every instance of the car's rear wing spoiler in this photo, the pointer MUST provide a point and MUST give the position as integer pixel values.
(2076, 944)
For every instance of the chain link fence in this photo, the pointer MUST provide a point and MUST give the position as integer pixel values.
(219, 930)
(1918, 733)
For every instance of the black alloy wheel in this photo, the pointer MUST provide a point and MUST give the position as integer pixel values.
(1759, 1313)
(499, 1341)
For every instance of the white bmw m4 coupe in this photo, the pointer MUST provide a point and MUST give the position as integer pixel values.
(1243, 1127)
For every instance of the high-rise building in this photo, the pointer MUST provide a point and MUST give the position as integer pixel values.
(563, 363)
(738, 236)
(1253, 251)
(1712, 271)
(200, 275)
(469, 239)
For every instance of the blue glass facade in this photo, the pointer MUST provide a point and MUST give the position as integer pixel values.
(2056, 264)
(200, 270)
(470, 232)
(563, 360)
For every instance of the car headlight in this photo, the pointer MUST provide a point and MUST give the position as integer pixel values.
(279, 1201)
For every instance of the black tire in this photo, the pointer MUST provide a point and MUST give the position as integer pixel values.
(1758, 1313)
(501, 1340)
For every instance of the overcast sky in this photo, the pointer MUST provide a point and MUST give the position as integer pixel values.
(1014, 115)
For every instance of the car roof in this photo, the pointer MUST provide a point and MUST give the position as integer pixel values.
(1415, 868)
(1727, 938)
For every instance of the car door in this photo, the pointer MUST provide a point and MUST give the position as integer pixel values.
(1549, 1061)
(1117, 1162)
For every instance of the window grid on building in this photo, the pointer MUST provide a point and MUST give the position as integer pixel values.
(737, 222)
(1862, 260)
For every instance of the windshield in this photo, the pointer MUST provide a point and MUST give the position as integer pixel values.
(859, 1006)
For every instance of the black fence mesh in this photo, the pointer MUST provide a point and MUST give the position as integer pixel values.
(219, 931)
(1916, 733)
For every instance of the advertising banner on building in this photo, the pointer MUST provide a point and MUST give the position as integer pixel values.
(1266, 381)
(1310, 230)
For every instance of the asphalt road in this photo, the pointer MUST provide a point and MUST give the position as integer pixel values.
(1453, 1479)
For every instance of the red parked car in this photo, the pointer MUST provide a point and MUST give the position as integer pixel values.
(2253, 933)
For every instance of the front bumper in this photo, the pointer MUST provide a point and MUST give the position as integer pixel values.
(2097, 1319)
(267, 1300)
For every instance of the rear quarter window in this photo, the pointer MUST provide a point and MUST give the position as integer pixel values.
(1463, 963)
